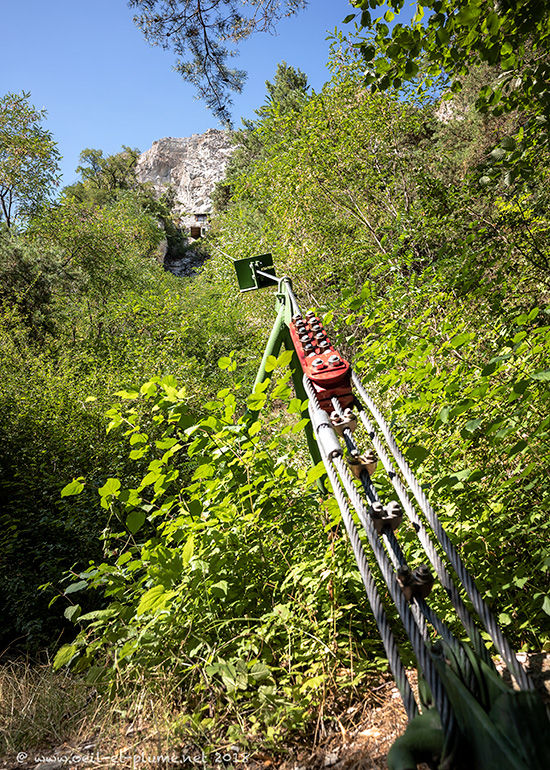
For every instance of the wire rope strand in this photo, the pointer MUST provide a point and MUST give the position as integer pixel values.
(419, 609)
(423, 535)
(373, 596)
(464, 576)
(422, 655)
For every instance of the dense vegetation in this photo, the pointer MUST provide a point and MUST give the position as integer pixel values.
(181, 542)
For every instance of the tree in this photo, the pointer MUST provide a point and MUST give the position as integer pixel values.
(28, 158)
(285, 95)
(203, 37)
(104, 179)
(511, 35)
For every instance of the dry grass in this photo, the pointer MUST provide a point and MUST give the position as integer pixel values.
(58, 721)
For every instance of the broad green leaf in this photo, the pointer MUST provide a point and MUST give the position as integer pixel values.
(205, 471)
(187, 551)
(75, 487)
(64, 655)
(111, 487)
(315, 473)
(255, 428)
(127, 394)
(154, 599)
(135, 520)
(270, 363)
(72, 612)
(219, 588)
(74, 587)
(285, 358)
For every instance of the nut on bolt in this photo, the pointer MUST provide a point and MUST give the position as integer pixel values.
(394, 514)
(358, 463)
(376, 512)
(417, 584)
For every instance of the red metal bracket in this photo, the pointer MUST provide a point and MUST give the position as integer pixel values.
(328, 371)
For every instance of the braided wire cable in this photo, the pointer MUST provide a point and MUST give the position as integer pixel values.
(464, 576)
(413, 632)
(373, 596)
(422, 655)
(419, 609)
(423, 535)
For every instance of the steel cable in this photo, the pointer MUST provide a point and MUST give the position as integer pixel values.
(422, 654)
(424, 537)
(464, 576)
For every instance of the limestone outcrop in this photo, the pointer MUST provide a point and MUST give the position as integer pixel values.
(191, 166)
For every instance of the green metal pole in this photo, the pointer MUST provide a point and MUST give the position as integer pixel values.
(280, 334)
(272, 348)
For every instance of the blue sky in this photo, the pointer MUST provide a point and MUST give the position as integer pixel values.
(104, 86)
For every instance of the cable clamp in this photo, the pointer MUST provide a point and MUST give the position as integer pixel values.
(347, 420)
(365, 462)
(390, 516)
(417, 584)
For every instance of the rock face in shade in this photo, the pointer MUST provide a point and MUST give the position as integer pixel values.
(191, 165)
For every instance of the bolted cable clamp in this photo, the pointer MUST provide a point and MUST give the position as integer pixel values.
(390, 516)
(347, 420)
(417, 584)
(365, 462)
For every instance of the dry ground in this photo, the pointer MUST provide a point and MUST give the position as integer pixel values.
(47, 722)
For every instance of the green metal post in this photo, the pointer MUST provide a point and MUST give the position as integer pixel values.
(280, 334)
(272, 348)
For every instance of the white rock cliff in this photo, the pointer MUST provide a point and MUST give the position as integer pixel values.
(191, 166)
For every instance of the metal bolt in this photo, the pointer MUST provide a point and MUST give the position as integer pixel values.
(424, 581)
(315, 327)
(393, 508)
(394, 515)
(319, 336)
(304, 339)
(318, 362)
(297, 318)
(310, 314)
(377, 510)
(308, 348)
(324, 345)
(334, 360)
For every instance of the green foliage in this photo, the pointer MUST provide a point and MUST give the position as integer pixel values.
(218, 566)
(446, 39)
(28, 158)
(285, 95)
(469, 403)
(107, 244)
(104, 179)
(460, 34)
(29, 280)
(370, 202)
